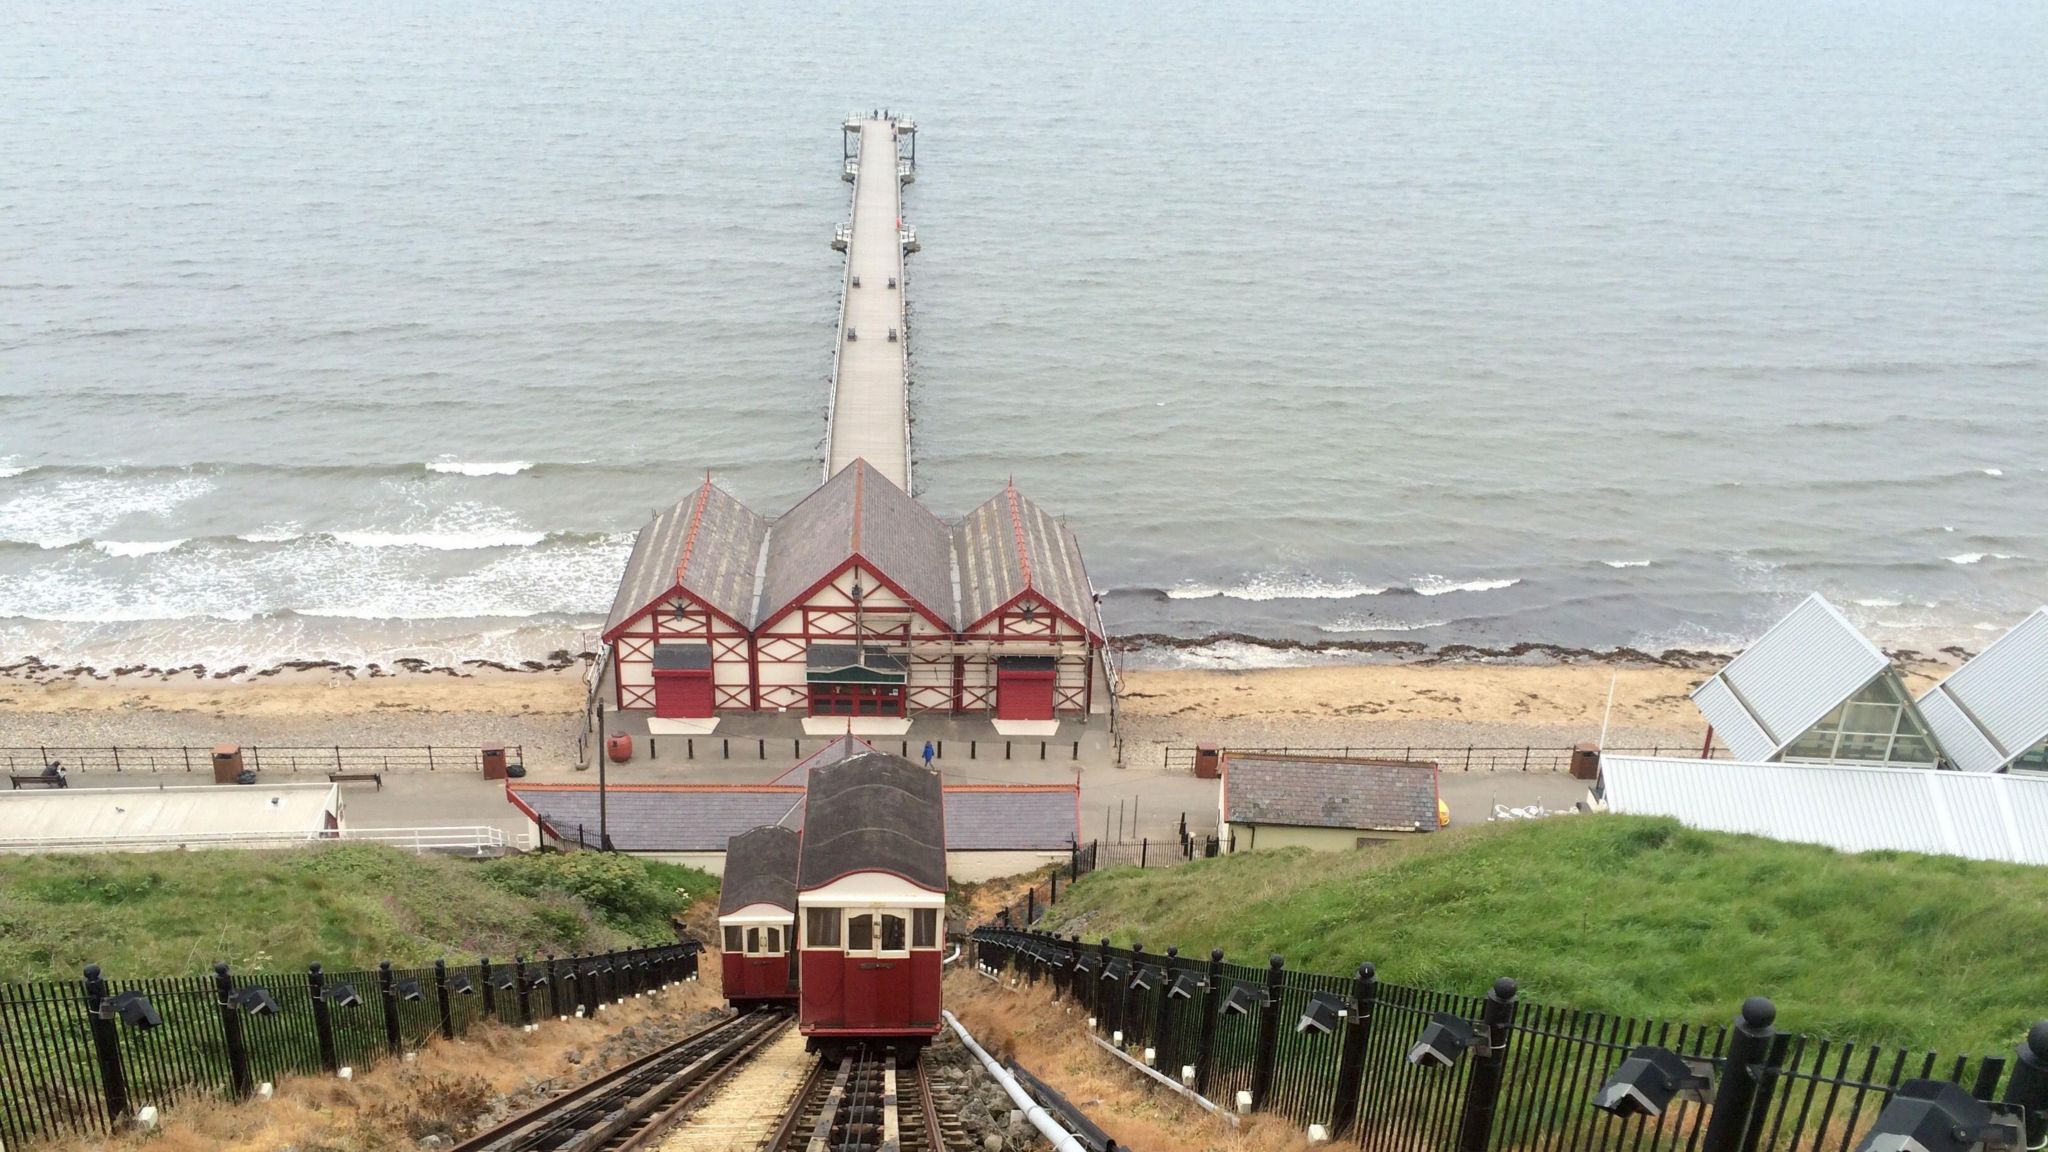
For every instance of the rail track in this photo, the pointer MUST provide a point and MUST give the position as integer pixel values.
(871, 1099)
(628, 1108)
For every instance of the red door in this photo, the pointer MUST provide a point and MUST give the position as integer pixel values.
(679, 694)
(1024, 688)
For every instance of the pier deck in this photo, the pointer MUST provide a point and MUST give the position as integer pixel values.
(870, 413)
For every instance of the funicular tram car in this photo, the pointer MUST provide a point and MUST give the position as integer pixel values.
(871, 890)
(757, 917)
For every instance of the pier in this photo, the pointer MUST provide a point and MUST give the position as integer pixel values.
(869, 415)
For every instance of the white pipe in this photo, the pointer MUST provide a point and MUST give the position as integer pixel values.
(953, 957)
(1163, 1078)
(1062, 1140)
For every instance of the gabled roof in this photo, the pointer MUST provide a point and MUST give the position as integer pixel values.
(1786, 682)
(708, 545)
(873, 813)
(1010, 546)
(1851, 808)
(760, 868)
(858, 513)
(1330, 792)
(1995, 707)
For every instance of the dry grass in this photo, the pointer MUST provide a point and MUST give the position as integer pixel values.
(1051, 1040)
(449, 1090)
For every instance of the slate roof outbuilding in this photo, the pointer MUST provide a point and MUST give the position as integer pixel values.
(874, 813)
(1330, 792)
(760, 868)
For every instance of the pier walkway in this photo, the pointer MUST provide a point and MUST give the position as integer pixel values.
(870, 411)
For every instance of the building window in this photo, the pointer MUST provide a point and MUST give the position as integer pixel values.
(2034, 759)
(892, 933)
(1875, 726)
(732, 939)
(860, 932)
(821, 928)
(753, 941)
(924, 928)
(774, 942)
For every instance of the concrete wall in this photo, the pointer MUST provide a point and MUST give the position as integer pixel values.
(973, 866)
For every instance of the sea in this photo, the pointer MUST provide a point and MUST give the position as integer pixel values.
(1336, 328)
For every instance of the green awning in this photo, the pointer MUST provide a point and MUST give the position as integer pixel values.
(845, 664)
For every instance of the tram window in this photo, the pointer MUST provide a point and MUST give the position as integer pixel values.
(775, 941)
(753, 941)
(860, 933)
(924, 928)
(821, 927)
(732, 938)
(892, 932)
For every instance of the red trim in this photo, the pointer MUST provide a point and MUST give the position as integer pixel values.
(674, 590)
(1017, 525)
(877, 1030)
(777, 789)
(769, 621)
(1086, 632)
(546, 828)
(860, 476)
(690, 537)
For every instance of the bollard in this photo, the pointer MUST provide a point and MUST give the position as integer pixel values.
(323, 1022)
(1268, 1050)
(1212, 994)
(1123, 992)
(106, 1042)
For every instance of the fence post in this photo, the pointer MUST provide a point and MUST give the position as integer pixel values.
(106, 1041)
(1749, 1046)
(490, 994)
(1074, 861)
(323, 1024)
(1030, 906)
(441, 993)
(1162, 1050)
(554, 978)
(231, 1031)
(1101, 1009)
(1365, 996)
(1144, 847)
(387, 986)
(1482, 1091)
(2028, 1087)
(1123, 993)
(1269, 1034)
(1053, 897)
(1212, 994)
(519, 987)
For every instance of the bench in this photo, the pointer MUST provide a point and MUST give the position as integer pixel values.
(39, 781)
(376, 778)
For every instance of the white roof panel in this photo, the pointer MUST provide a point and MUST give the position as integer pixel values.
(115, 813)
(1796, 673)
(1854, 809)
(1737, 729)
(1996, 705)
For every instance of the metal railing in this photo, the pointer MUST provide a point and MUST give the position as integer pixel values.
(477, 838)
(1449, 758)
(1340, 1053)
(316, 759)
(80, 1058)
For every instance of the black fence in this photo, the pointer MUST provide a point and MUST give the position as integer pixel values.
(1449, 758)
(1398, 1069)
(335, 758)
(84, 1057)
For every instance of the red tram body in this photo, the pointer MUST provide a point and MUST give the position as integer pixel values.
(871, 890)
(757, 917)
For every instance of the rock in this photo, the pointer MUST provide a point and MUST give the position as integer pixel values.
(442, 1142)
(574, 1056)
(991, 1143)
(1016, 1124)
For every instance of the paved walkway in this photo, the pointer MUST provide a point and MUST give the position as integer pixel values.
(870, 393)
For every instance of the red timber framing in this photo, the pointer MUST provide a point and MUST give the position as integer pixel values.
(680, 618)
(888, 617)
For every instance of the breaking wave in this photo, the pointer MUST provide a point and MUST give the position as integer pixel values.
(480, 468)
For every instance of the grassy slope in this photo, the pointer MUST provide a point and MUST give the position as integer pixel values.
(174, 913)
(1630, 915)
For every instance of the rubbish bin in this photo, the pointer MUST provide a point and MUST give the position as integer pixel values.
(1585, 761)
(494, 761)
(1208, 761)
(227, 763)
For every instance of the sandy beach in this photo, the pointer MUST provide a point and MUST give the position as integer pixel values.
(1381, 705)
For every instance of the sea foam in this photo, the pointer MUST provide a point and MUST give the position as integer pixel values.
(479, 467)
(1433, 585)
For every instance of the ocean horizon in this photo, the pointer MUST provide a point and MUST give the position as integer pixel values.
(1336, 331)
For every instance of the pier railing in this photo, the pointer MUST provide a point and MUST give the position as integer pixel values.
(1449, 758)
(85, 1057)
(340, 759)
